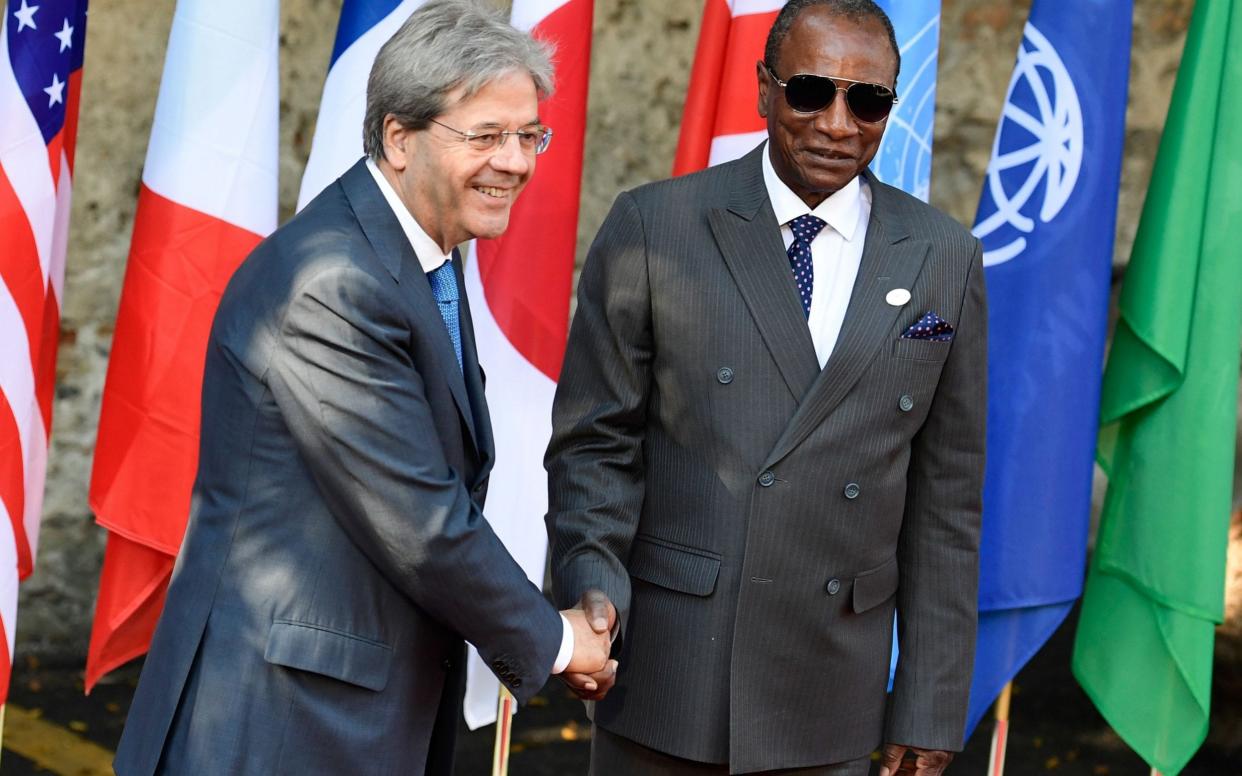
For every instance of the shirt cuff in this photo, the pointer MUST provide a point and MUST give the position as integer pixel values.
(567, 647)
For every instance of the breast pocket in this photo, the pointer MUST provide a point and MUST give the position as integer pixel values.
(921, 350)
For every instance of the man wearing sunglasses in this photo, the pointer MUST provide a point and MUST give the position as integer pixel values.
(769, 436)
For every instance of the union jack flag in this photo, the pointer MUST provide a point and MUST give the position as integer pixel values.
(41, 45)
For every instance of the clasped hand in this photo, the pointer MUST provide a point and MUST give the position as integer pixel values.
(591, 674)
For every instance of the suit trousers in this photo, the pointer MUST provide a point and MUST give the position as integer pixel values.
(614, 755)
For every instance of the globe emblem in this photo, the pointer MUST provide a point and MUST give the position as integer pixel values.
(1037, 153)
(904, 157)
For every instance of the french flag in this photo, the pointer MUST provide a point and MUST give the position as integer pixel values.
(41, 47)
(365, 25)
(519, 287)
(208, 197)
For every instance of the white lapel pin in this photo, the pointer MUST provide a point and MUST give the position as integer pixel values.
(897, 297)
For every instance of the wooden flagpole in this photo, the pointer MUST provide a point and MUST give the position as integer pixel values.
(504, 730)
(1000, 736)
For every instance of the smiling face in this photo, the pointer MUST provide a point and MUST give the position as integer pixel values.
(818, 153)
(455, 192)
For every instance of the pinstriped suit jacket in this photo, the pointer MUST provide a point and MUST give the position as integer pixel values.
(754, 518)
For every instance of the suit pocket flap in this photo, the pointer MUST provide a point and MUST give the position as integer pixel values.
(874, 587)
(674, 566)
(921, 349)
(329, 652)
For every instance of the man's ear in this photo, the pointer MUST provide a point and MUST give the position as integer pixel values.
(396, 138)
(761, 72)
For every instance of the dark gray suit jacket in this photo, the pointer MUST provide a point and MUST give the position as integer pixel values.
(754, 518)
(336, 555)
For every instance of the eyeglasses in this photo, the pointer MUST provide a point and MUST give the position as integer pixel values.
(533, 139)
(806, 93)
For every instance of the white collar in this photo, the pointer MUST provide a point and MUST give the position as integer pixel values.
(430, 257)
(840, 210)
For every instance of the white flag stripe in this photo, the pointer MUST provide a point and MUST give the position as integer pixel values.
(23, 154)
(337, 142)
(221, 63)
(743, 8)
(8, 580)
(60, 231)
(36, 469)
(726, 148)
(526, 15)
(520, 403)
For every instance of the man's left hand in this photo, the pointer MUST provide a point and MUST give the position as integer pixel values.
(898, 760)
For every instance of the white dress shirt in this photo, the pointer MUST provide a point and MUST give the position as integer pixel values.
(836, 252)
(430, 257)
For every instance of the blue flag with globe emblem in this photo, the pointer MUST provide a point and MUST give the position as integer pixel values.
(1047, 219)
(904, 157)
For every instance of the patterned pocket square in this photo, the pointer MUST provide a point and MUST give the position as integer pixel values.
(929, 327)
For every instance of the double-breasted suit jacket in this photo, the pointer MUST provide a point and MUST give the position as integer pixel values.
(336, 555)
(754, 518)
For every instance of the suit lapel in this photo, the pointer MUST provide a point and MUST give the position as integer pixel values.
(750, 241)
(891, 259)
(384, 232)
(473, 374)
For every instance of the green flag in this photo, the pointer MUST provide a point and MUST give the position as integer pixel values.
(1155, 590)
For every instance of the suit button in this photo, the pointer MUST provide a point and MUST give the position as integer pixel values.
(448, 665)
(725, 375)
(766, 479)
(851, 490)
(499, 665)
(515, 682)
(906, 403)
(833, 587)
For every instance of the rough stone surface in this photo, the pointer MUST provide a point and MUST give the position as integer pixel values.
(640, 67)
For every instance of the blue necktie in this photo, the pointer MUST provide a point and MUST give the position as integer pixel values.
(444, 287)
(805, 228)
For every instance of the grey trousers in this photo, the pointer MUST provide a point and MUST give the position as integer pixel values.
(614, 755)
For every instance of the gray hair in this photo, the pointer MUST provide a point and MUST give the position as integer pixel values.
(443, 46)
(854, 10)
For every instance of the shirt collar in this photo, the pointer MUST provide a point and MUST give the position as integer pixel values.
(840, 211)
(430, 257)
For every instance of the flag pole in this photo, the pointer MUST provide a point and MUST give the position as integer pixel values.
(504, 728)
(1000, 736)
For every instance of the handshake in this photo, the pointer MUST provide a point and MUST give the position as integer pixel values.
(590, 673)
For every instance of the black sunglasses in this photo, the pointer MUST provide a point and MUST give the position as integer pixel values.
(807, 93)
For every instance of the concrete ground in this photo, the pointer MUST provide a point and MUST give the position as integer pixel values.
(52, 728)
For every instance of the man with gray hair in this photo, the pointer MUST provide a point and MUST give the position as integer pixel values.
(336, 555)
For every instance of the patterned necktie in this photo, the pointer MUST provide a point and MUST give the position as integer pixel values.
(444, 287)
(804, 230)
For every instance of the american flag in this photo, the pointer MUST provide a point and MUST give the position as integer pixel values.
(41, 45)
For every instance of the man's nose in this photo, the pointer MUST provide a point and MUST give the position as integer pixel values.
(510, 158)
(836, 121)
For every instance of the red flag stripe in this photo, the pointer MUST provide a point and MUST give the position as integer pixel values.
(13, 479)
(739, 84)
(527, 273)
(147, 450)
(703, 95)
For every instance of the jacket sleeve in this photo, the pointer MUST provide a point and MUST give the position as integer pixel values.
(346, 384)
(938, 550)
(595, 459)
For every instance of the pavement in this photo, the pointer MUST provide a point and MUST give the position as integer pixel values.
(51, 727)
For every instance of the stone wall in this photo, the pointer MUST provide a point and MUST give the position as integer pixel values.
(640, 66)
